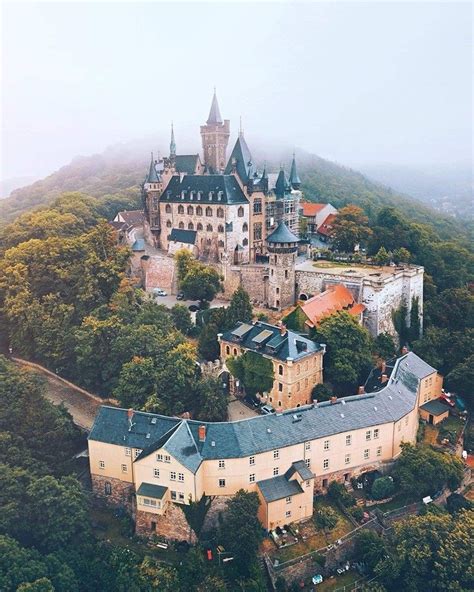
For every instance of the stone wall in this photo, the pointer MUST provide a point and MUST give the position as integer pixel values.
(172, 525)
(121, 492)
(250, 277)
(218, 506)
(159, 272)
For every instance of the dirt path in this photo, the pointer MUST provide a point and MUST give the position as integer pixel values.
(82, 406)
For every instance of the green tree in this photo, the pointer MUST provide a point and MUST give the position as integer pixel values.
(208, 346)
(240, 308)
(41, 585)
(156, 576)
(401, 255)
(382, 257)
(201, 282)
(384, 346)
(457, 502)
(184, 263)
(350, 228)
(369, 548)
(348, 358)
(181, 318)
(321, 392)
(211, 400)
(212, 582)
(240, 523)
(382, 487)
(253, 370)
(137, 383)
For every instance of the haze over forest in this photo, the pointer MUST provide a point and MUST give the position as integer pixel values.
(101, 77)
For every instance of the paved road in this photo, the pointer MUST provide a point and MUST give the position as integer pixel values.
(237, 410)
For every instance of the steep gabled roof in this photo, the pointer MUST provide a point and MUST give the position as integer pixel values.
(186, 163)
(243, 160)
(152, 176)
(311, 209)
(294, 177)
(335, 298)
(282, 185)
(214, 114)
(225, 185)
(326, 226)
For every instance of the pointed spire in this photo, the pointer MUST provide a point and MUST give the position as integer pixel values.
(172, 143)
(152, 176)
(264, 173)
(241, 129)
(281, 185)
(295, 181)
(214, 113)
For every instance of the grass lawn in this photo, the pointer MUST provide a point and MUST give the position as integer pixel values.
(453, 424)
(315, 537)
(109, 529)
(398, 502)
(338, 582)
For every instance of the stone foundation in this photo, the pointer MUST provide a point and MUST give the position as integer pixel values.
(340, 475)
(218, 506)
(172, 525)
(121, 492)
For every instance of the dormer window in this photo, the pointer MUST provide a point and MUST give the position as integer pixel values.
(183, 193)
(220, 195)
(191, 194)
(211, 195)
(199, 195)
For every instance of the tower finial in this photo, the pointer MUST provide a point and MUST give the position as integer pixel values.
(214, 114)
(241, 131)
(172, 143)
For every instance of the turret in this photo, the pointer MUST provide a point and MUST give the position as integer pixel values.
(172, 145)
(215, 137)
(282, 184)
(295, 181)
(282, 247)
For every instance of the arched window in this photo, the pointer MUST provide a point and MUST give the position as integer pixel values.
(168, 224)
(235, 351)
(208, 211)
(245, 242)
(245, 227)
(181, 225)
(286, 274)
(190, 226)
(280, 370)
(199, 211)
(107, 488)
(240, 212)
(220, 228)
(209, 228)
(227, 350)
(221, 243)
(190, 210)
(199, 226)
(180, 209)
(168, 209)
(220, 212)
(208, 241)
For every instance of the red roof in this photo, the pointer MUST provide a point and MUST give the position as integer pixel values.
(326, 226)
(311, 209)
(334, 299)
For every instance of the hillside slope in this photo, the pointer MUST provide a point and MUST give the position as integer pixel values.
(120, 170)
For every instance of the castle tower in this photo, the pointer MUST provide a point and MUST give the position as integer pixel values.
(282, 247)
(215, 137)
(152, 189)
(172, 145)
(295, 180)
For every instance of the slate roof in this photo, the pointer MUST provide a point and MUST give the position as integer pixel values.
(152, 176)
(435, 407)
(294, 177)
(263, 433)
(282, 234)
(214, 114)
(183, 236)
(139, 245)
(228, 184)
(299, 467)
(150, 490)
(282, 184)
(266, 339)
(243, 158)
(278, 488)
(118, 225)
(186, 163)
(132, 217)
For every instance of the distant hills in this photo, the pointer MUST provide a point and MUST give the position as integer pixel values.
(120, 169)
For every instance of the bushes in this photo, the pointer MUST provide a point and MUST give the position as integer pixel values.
(383, 487)
(338, 493)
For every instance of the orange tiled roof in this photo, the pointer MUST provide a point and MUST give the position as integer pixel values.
(311, 209)
(326, 226)
(334, 299)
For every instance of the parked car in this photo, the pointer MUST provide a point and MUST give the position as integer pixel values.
(180, 295)
(159, 292)
(252, 402)
(193, 307)
(267, 409)
(317, 579)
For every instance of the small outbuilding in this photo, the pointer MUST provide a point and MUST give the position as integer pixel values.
(434, 412)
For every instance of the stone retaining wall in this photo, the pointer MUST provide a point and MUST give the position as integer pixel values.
(172, 525)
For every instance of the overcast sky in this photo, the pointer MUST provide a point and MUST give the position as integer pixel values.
(358, 83)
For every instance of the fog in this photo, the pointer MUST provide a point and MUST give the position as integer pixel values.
(358, 83)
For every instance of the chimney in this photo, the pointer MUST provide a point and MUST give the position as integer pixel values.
(130, 419)
(361, 390)
(383, 378)
(282, 329)
(333, 400)
(404, 350)
(202, 433)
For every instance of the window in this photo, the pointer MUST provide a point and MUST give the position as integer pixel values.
(211, 195)
(220, 212)
(149, 502)
(107, 488)
(252, 460)
(348, 440)
(124, 469)
(245, 242)
(368, 435)
(199, 226)
(222, 464)
(101, 464)
(240, 212)
(156, 473)
(181, 225)
(153, 526)
(286, 274)
(257, 231)
(173, 495)
(209, 228)
(276, 471)
(168, 224)
(167, 458)
(208, 212)
(276, 454)
(190, 226)
(347, 459)
(252, 478)
(128, 452)
(307, 445)
(379, 451)
(280, 369)
(326, 463)
(221, 482)
(227, 350)
(257, 206)
(172, 475)
(366, 453)
(180, 496)
(326, 445)
(168, 209)
(280, 387)
(308, 462)
(245, 227)
(235, 351)
(288, 499)
(159, 457)
(199, 210)
(181, 477)
(220, 228)
(137, 452)
(288, 513)
(190, 210)
(180, 209)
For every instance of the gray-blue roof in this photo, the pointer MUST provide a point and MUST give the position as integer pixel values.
(259, 434)
(225, 185)
(277, 488)
(299, 467)
(183, 236)
(151, 490)
(267, 339)
(282, 234)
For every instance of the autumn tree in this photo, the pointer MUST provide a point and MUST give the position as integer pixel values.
(350, 228)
